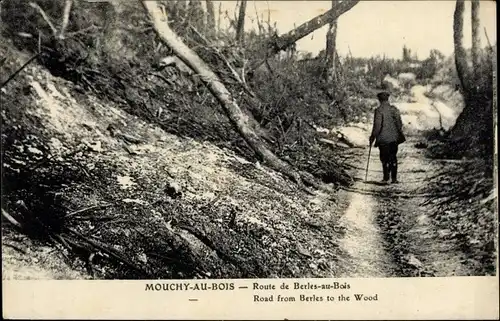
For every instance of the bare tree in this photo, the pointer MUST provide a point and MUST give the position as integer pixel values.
(210, 15)
(240, 27)
(330, 52)
(476, 38)
(196, 12)
(238, 119)
(475, 119)
(288, 39)
(458, 38)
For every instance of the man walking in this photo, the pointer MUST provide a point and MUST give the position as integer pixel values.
(387, 133)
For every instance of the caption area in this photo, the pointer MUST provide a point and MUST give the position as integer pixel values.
(330, 292)
(285, 291)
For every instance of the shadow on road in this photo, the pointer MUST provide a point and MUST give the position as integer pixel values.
(378, 183)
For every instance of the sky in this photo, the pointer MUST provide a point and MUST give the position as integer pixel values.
(376, 27)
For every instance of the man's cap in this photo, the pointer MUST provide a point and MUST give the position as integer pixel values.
(384, 95)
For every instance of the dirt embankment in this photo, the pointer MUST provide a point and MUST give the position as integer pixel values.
(155, 204)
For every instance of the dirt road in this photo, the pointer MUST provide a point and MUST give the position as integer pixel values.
(388, 229)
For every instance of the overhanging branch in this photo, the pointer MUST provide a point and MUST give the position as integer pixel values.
(288, 39)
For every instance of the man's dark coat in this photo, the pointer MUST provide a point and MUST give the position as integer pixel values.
(387, 125)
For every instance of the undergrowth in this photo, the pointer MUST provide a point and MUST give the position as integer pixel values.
(465, 203)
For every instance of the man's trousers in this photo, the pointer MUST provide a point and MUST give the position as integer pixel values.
(388, 157)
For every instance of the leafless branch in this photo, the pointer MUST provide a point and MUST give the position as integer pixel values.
(219, 54)
(88, 209)
(84, 30)
(220, 14)
(12, 220)
(488, 40)
(238, 4)
(19, 70)
(258, 20)
(243, 71)
(45, 17)
(268, 14)
(168, 81)
(65, 21)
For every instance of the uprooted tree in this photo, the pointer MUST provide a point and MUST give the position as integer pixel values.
(237, 118)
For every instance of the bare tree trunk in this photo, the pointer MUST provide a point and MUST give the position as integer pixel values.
(240, 27)
(196, 12)
(330, 53)
(460, 53)
(238, 119)
(288, 39)
(474, 121)
(210, 15)
(219, 15)
(110, 40)
(476, 40)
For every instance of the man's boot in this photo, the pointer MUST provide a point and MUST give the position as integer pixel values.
(394, 173)
(387, 170)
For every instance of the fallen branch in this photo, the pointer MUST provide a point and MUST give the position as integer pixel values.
(12, 220)
(83, 210)
(20, 250)
(112, 252)
(332, 143)
(205, 240)
(19, 70)
(238, 119)
(168, 81)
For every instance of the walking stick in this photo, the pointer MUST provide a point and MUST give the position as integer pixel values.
(368, 163)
